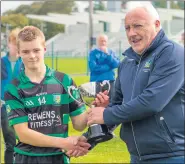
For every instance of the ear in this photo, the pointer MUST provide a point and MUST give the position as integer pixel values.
(45, 49)
(157, 24)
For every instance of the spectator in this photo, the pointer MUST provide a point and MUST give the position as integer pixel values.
(102, 62)
(10, 67)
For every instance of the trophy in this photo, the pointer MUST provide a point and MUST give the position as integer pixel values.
(96, 133)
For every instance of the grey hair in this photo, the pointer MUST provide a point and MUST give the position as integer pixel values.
(149, 8)
(100, 36)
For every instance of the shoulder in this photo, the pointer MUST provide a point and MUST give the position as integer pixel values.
(63, 78)
(170, 50)
(95, 50)
(13, 87)
(3, 59)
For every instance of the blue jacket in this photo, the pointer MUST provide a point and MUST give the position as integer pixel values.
(6, 72)
(149, 100)
(102, 65)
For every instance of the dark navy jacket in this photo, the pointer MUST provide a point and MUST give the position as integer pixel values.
(102, 65)
(6, 72)
(149, 100)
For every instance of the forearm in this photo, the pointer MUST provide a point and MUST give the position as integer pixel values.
(94, 67)
(113, 61)
(34, 138)
(80, 122)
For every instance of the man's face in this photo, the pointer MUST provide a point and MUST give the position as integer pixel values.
(32, 53)
(141, 29)
(12, 49)
(102, 42)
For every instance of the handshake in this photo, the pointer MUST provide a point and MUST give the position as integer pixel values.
(75, 146)
(78, 146)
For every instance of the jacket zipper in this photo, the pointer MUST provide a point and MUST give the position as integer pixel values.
(131, 121)
(165, 127)
(131, 99)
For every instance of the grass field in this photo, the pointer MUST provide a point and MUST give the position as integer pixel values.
(113, 151)
(68, 65)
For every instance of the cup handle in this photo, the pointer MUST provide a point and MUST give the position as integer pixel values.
(69, 88)
(105, 82)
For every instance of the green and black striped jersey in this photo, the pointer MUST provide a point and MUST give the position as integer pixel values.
(46, 107)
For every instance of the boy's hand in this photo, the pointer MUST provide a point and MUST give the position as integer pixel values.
(81, 148)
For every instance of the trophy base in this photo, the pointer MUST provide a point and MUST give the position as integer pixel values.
(98, 133)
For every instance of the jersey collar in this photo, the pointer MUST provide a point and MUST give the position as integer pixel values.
(25, 78)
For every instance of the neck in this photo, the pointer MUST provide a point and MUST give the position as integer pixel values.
(36, 75)
(12, 58)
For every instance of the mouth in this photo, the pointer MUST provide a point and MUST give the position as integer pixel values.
(135, 41)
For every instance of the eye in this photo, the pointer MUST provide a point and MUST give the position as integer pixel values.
(25, 52)
(36, 50)
(137, 26)
(127, 28)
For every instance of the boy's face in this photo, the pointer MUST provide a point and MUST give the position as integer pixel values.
(12, 49)
(32, 53)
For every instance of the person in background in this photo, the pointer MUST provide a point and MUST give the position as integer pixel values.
(39, 107)
(102, 62)
(182, 38)
(11, 65)
(149, 92)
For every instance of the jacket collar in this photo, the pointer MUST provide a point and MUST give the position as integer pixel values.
(7, 58)
(155, 43)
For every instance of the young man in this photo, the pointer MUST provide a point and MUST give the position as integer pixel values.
(39, 107)
(149, 92)
(102, 62)
(10, 68)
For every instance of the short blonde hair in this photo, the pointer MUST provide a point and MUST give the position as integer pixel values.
(12, 38)
(29, 33)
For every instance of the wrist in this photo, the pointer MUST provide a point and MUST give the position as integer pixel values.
(60, 142)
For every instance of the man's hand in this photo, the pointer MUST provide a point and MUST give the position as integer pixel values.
(104, 49)
(95, 115)
(81, 149)
(74, 142)
(101, 100)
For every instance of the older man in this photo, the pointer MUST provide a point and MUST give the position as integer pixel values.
(102, 62)
(149, 92)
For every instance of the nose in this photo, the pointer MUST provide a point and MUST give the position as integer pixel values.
(131, 32)
(32, 55)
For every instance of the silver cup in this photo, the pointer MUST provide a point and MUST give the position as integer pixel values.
(96, 133)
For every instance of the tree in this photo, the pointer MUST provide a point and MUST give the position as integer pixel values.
(14, 20)
(181, 4)
(99, 6)
(159, 4)
(42, 8)
(17, 18)
(173, 4)
(52, 29)
(57, 6)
